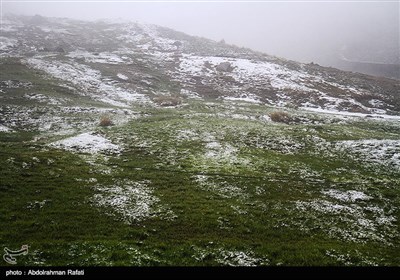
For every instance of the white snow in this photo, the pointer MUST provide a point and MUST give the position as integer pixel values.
(147, 38)
(229, 257)
(251, 99)
(7, 28)
(186, 135)
(122, 76)
(87, 143)
(190, 94)
(131, 201)
(5, 128)
(50, 29)
(262, 74)
(245, 71)
(238, 258)
(42, 98)
(89, 81)
(360, 223)
(223, 189)
(383, 152)
(7, 43)
(218, 152)
(376, 103)
(344, 106)
(16, 84)
(103, 57)
(265, 118)
(350, 114)
(347, 196)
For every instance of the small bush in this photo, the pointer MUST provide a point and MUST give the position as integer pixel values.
(105, 121)
(167, 101)
(280, 116)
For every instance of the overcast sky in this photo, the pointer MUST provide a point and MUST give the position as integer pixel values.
(303, 31)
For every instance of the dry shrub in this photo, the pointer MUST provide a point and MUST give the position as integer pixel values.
(105, 121)
(167, 101)
(280, 116)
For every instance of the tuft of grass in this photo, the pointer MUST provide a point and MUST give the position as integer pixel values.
(106, 121)
(280, 116)
(167, 101)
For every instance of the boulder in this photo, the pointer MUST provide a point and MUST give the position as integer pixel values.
(177, 44)
(224, 67)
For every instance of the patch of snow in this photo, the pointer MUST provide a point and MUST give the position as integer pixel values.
(59, 120)
(7, 43)
(147, 38)
(383, 152)
(251, 99)
(265, 118)
(7, 28)
(103, 57)
(349, 222)
(5, 128)
(50, 29)
(222, 189)
(190, 94)
(89, 81)
(186, 135)
(15, 84)
(42, 98)
(87, 143)
(348, 260)
(238, 258)
(122, 76)
(230, 257)
(213, 145)
(244, 71)
(131, 201)
(376, 103)
(347, 196)
(350, 114)
(219, 152)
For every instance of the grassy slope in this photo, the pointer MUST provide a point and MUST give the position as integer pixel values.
(68, 229)
(231, 183)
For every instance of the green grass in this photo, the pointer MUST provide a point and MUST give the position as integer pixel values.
(246, 204)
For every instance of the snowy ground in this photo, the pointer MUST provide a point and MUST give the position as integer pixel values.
(378, 152)
(88, 81)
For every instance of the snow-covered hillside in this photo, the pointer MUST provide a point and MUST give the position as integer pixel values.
(120, 62)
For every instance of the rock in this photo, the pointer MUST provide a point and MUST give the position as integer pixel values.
(208, 65)
(224, 67)
(177, 44)
(59, 49)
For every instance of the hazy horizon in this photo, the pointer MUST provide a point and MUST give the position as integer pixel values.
(302, 31)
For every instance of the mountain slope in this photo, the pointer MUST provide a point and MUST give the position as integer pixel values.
(157, 61)
(130, 144)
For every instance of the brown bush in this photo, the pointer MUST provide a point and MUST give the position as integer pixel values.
(167, 101)
(105, 121)
(280, 116)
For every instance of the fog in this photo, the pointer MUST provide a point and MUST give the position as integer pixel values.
(302, 31)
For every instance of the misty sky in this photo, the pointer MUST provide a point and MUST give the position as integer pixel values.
(303, 31)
